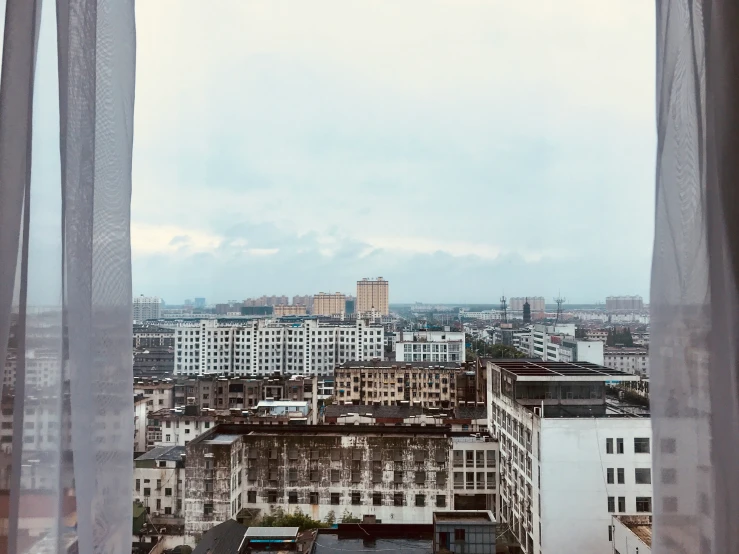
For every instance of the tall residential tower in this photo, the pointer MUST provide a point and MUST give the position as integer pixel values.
(373, 294)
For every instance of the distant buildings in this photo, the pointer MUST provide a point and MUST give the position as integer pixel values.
(558, 344)
(329, 304)
(373, 294)
(624, 303)
(305, 300)
(536, 303)
(267, 301)
(146, 307)
(571, 456)
(263, 347)
(287, 310)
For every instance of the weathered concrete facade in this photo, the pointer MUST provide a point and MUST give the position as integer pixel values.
(397, 474)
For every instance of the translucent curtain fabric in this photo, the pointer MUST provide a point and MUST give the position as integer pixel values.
(65, 277)
(694, 309)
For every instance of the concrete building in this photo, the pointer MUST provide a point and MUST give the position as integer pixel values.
(558, 344)
(387, 383)
(266, 301)
(571, 456)
(429, 346)
(597, 334)
(304, 300)
(373, 294)
(630, 360)
(632, 534)
(159, 395)
(151, 336)
(159, 481)
(537, 303)
(263, 347)
(146, 307)
(329, 304)
(624, 304)
(287, 310)
(397, 474)
(464, 532)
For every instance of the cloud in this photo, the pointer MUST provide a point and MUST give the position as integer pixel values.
(300, 146)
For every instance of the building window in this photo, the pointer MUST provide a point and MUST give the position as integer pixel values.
(138, 484)
(459, 535)
(420, 477)
(641, 446)
(313, 498)
(669, 476)
(643, 476)
(168, 492)
(611, 504)
(147, 491)
(272, 496)
(398, 499)
(643, 504)
(619, 446)
(356, 498)
(292, 497)
(441, 501)
(376, 499)
(622, 504)
(335, 475)
(335, 496)
(609, 446)
(669, 504)
(610, 533)
(621, 476)
(609, 476)
(420, 500)
(251, 497)
(208, 509)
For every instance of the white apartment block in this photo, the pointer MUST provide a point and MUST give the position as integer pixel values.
(475, 477)
(630, 360)
(571, 457)
(373, 295)
(429, 346)
(265, 347)
(146, 307)
(558, 344)
(159, 481)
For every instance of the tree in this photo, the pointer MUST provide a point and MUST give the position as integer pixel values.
(348, 517)
(277, 517)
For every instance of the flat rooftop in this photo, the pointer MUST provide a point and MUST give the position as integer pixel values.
(539, 370)
(389, 364)
(464, 516)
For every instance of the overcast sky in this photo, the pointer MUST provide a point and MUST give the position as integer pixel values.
(459, 148)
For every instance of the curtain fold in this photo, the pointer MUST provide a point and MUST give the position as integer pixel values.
(65, 277)
(694, 301)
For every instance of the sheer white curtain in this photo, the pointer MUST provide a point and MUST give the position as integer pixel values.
(694, 336)
(65, 273)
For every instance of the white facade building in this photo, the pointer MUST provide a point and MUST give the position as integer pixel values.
(159, 479)
(146, 307)
(630, 360)
(265, 347)
(429, 346)
(558, 344)
(570, 456)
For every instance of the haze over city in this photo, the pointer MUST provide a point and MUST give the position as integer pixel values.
(295, 155)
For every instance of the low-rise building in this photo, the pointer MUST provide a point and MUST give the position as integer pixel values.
(630, 360)
(415, 383)
(429, 346)
(159, 479)
(632, 534)
(464, 532)
(397, 474)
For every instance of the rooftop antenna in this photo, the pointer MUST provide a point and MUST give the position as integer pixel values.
(503, 308)
(559, 300)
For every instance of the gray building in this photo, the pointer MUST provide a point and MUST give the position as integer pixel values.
(464, 532)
